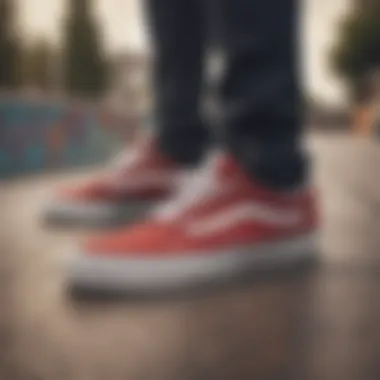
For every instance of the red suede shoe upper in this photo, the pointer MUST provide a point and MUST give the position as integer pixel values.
(140, 174)
(219, 209)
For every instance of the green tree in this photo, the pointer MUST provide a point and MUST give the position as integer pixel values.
(84, 62)
(357, 52)
(9, 46)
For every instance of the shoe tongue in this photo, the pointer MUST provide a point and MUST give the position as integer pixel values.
(133, 154)
(227, 165)
(223, 165)
(204, 183)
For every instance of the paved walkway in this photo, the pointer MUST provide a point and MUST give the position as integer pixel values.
(321, 325)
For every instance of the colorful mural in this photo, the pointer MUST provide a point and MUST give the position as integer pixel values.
(40, 135)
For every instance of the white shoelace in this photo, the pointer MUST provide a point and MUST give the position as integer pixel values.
(194, 188)
(129, 157)
(122, 161)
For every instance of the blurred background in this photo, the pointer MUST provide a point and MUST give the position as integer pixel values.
(74, 89)
(74, 75)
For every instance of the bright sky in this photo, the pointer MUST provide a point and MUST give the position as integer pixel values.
(123, 28)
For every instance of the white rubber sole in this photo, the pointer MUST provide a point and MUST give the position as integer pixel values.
(150, 275)
(92, 215)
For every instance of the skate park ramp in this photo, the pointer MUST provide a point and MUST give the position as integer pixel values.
(319, 324)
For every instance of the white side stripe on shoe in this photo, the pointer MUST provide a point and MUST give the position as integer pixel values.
(246, 212)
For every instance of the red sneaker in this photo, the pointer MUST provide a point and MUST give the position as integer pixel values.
(140, 176)
(222, 225)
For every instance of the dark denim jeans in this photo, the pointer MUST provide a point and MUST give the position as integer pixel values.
(259, 92)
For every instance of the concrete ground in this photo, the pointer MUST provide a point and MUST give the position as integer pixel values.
(318, 324)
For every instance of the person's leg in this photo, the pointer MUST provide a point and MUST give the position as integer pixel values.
(178, 34)
(245, 210)
(261, 92)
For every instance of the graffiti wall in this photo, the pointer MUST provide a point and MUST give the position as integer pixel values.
(41, 135)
